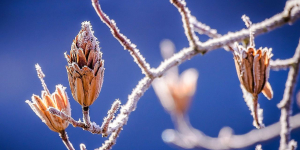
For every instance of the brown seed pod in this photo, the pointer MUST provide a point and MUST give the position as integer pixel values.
(85, 66)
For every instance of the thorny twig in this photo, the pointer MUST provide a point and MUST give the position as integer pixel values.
(289, 15)
(287, 101)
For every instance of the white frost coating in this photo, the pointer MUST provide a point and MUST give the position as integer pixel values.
(258, 147)
(82, 146)
(249, 101)
(87, 34)
(187, 20)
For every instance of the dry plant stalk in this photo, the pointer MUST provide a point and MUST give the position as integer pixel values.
(86, 70)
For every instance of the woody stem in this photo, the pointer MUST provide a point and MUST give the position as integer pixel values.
(86, 116)
(63, 135)
(255, 115)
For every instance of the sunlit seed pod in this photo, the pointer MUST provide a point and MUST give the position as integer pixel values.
(85, 66)
(58, 100)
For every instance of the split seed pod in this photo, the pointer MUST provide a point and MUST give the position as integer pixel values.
(58, 100)
(85, 66)
(252, 68)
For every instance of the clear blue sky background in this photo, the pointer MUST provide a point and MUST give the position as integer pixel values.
(35, 31)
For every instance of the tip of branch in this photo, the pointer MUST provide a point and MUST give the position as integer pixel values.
(82, 146)
(247, 21)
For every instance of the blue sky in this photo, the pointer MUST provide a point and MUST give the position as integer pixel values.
(41, 31)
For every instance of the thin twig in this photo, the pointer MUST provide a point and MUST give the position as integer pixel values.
(93, 128)
(87, 125)
(202, 28)
(108, 144)
(110, 116)
(124, 41)
(130, 106)
(281, 64)
(63, 135)
(187, 25)
(82, 147)
(286, 103)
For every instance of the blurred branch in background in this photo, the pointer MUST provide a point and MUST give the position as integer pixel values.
(186, 136)
(194, 138)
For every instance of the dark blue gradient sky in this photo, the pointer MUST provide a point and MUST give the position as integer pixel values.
(35, 31)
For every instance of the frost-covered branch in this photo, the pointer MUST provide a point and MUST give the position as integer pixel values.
(63, 135)
(110, 116)
(202, 28)
(286, 103)
(108, 144)
(124, 41)
(91, 126)
(267, 25)
(82, 147)
(226, 139)
(130, 106)
(187, 25)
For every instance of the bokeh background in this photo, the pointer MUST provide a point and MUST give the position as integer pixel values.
(35, 31)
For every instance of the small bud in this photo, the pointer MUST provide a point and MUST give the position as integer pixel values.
(58, 100)
(85, 66)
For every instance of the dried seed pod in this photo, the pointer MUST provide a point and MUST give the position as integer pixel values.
(58, 99)
(252, 68)
(85, 66)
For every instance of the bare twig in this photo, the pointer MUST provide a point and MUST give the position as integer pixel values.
(205, 29)
(108, 144)
(287, 101)
(92, 127)
(124, 41)
(226, 139)
(186, 19)
(63, 135)
(41, 76)
(130, 106)
(86, 116)
(82, 147)
(258, 147)
(110, 116)
(281, 64)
